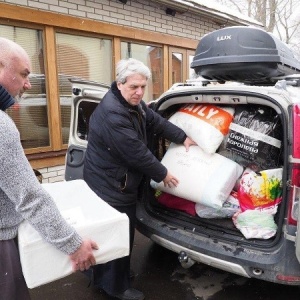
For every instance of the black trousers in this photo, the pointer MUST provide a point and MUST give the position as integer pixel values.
(12, 282)
(114, 276)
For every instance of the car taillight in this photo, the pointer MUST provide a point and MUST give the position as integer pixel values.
(295, 176)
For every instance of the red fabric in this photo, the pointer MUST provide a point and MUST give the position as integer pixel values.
(178, 203)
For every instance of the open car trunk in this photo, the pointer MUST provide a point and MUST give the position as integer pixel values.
(242, 99)
(254, 60)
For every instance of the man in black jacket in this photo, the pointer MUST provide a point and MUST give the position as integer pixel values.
(117, 158)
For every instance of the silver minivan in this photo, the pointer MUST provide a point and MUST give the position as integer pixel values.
(242, 68)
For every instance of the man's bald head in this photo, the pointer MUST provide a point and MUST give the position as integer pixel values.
(14, 67)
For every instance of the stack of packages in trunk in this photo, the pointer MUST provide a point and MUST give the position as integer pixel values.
(233, 172)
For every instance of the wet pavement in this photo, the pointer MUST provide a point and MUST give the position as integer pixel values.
(160, 276)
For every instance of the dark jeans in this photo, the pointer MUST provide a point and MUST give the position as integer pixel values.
(114, 276)
(12, 283)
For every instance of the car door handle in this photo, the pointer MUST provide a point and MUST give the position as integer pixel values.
(75, 157)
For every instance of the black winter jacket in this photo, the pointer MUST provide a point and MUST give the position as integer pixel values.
(117, 156)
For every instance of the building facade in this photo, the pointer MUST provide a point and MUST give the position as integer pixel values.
(85, 39)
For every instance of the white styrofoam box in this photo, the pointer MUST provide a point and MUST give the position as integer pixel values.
(206, 124)
(203, 178)
(92, 218)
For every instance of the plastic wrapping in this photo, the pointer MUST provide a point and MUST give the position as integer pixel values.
(261, 191)
(255, 224)
(203, 178)
(205, 124)
(254, 138)
(229, 208)
(92, 218)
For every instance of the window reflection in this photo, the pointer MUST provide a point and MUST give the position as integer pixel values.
(82, 57)
(30, 113)
(177, 67)
(152, 57)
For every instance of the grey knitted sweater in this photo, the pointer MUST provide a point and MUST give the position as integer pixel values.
(22, 197)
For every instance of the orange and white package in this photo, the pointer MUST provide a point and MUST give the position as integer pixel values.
(206, 124)
(261, 190)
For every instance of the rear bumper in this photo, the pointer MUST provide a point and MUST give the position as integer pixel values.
(201, 258)
(264, 264)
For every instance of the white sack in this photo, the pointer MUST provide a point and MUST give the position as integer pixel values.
(206, 124)
(203, 178)
(255, 224)
(92, 217)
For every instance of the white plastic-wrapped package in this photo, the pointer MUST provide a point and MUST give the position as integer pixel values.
(206, 124)
(255, 224)
(203, 178)
(229, 208)
(92, 217)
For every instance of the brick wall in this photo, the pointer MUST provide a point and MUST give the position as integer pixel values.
(142, 14)
(53, 174)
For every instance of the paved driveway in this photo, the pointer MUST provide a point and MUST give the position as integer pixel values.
(160, 276)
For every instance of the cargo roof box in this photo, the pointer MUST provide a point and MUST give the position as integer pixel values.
(244, 54)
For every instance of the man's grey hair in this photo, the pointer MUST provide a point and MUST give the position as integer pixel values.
(131, 66)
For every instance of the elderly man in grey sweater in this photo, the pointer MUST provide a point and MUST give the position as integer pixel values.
(21, 195)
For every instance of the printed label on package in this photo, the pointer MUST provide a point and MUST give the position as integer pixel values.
(252, 145)
(255, 135)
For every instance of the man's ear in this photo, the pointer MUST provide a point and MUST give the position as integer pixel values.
(119, 85)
